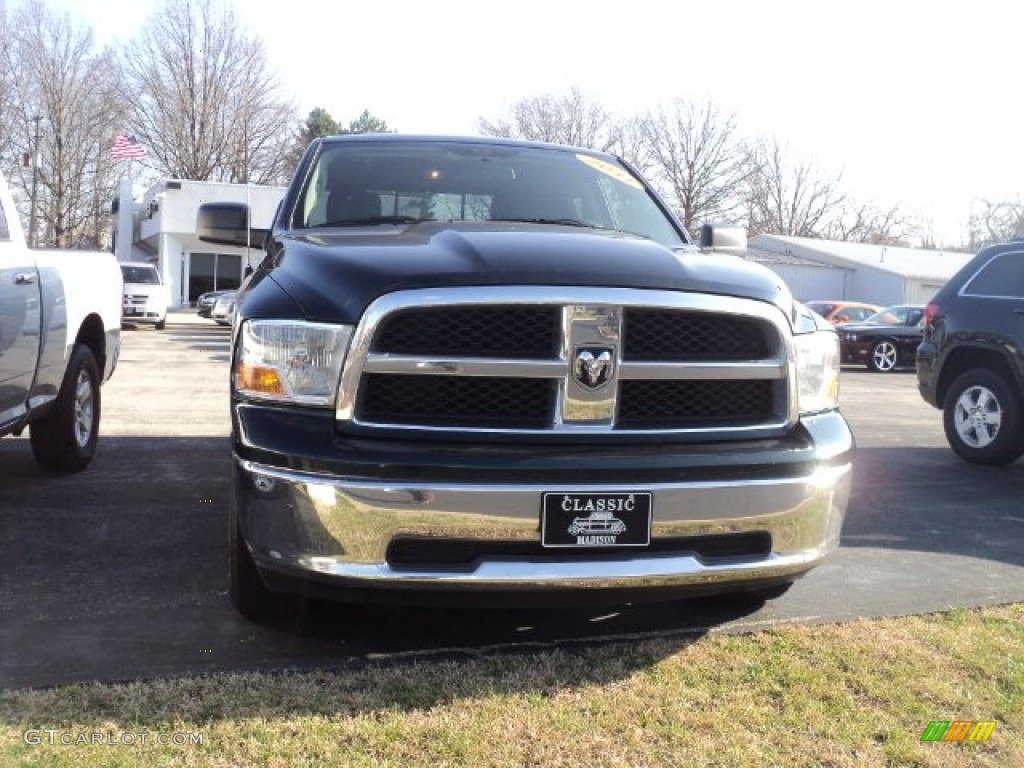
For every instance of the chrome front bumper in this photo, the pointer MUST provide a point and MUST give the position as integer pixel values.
(336, 531)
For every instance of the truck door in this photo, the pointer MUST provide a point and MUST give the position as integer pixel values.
(20, 310)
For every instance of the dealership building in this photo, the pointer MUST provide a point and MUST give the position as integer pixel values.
(160, 228)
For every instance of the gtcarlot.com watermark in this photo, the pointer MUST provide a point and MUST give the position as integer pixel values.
(59, 737)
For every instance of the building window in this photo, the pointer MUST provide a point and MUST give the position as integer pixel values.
(213, 272)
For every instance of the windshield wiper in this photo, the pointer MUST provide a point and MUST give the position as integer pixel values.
(566, 222)
(374, 220)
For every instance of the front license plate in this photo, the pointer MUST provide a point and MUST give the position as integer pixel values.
(596, 519)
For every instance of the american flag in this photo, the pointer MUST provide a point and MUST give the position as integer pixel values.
(126, 147)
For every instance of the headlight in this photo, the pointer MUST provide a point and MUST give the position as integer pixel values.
(817, 370)
(291, 361)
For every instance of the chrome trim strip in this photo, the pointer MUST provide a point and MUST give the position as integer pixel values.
(818, 477)
(765, 369)
(774, 428)
(625, 571)
(556, 369)
(464, 366)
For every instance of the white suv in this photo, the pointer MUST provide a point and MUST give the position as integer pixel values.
(145, 296)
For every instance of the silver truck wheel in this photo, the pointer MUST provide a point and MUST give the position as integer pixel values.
(884, 356)
(64, 438)
(982, 418)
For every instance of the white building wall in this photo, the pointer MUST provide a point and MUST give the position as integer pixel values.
(877, 287)
(167, 227)
(878, 274)
(921, 291)
(808, 283)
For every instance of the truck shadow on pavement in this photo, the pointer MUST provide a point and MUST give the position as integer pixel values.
(119, 572)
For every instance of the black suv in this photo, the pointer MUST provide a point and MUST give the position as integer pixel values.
(971, 360)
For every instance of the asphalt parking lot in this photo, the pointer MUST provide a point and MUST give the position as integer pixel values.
(120, 572)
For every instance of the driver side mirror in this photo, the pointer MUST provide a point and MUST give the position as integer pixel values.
(228, 224)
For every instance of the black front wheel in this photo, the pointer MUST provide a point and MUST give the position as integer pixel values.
(246, 589)
(64, 438)
(982, 418)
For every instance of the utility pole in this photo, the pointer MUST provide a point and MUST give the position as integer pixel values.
(35, 181)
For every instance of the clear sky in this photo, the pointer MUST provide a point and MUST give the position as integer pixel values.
(916, 102)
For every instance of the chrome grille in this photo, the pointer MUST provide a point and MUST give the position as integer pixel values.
(563, 360)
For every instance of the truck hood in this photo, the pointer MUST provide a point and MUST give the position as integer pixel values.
(334, 274)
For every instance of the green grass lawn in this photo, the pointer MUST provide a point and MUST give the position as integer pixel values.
(856, 694)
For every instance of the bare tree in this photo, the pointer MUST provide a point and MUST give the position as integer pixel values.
(697, 159)
(865, 223)
(65, 97)
(6, 78)
(631, 144)
(201, 97)
(786, 197)
(995, 222)
(573, 118)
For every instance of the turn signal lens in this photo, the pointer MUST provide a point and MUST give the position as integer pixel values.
(258, 379)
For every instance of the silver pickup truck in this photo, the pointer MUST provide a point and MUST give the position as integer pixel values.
(60, 334)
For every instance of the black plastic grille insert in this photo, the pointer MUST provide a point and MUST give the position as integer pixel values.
(664, 335)
(457, 401)
(684, 404)
(500, 331)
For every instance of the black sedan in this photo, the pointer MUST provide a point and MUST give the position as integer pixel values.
(886, 340)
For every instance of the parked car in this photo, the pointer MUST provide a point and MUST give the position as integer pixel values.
(886, 340)
(843, 311)
(145, 297)
(223, 312)
(971, 359)
(205, 302)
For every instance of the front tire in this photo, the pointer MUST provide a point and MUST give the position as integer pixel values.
(982, 418)
(884, 356)
(64, 439)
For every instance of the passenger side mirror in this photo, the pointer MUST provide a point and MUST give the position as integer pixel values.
(731, 240)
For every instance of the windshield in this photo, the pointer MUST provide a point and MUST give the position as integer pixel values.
(147, 275)
(821, 307)
(364, 183)
(898, 316)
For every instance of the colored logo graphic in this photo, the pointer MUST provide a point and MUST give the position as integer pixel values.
(958, 730)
